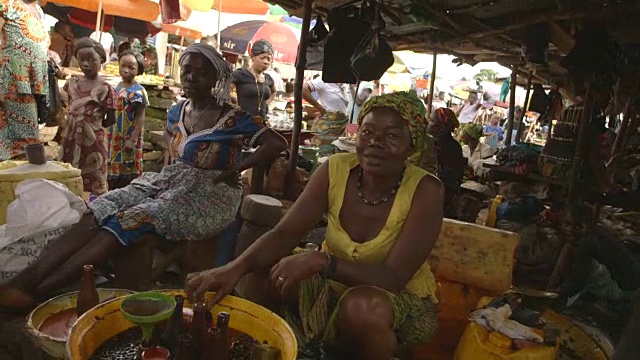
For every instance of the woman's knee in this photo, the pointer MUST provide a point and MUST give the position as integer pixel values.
(365, 309)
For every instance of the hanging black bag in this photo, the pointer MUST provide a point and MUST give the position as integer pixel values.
(373, 56)
(315, 49)
(348, 26)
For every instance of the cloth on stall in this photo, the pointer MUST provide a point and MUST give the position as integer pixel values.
(328, 128)
(498, 319)
(41, 212)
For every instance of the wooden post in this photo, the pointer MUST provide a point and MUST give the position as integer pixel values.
(99, 21)
(512, 106)
(578, 158)
(525, 108)
(432, 85)
(219, 22)
(301, 63)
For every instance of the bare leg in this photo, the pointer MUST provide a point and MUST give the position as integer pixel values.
(256, 287)
(365, 324)
(57, 251)
(17, 293)
(133, 267)
(96, 252)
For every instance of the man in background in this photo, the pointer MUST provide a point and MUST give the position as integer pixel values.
(62, 39)
(277, 80)
(467, 113)
(440, 101)
(106, 40)
(332, 107)
(358, 98)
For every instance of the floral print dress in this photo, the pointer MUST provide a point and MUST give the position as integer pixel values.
(23, 75)
(85, 140)
(182, 202)
(126, 164)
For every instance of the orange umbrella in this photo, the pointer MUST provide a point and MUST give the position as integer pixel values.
(147, 10)
(255, 7)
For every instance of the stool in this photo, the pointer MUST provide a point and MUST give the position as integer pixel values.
(260, 214)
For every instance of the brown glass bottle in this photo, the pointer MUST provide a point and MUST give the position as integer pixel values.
(88, 294)
(175, 327)
(223, 324)
(185, 348)
(214, 346)
(198, 327)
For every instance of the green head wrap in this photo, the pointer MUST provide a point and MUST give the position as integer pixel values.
(412, 110)
(474, 130)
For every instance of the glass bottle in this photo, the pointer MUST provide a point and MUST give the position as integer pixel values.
(175, 327)
(198, 327)
(223, 325)
(185, 348)
(215, 346)
(88, 294)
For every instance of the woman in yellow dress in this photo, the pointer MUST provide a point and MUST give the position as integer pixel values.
(370, 290)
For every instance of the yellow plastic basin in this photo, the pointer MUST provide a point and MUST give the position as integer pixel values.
(106, 321)
(52, 345)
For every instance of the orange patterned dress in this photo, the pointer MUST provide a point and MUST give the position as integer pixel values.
(23, 74)
(85, 140)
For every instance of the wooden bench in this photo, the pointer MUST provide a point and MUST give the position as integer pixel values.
(469, 261)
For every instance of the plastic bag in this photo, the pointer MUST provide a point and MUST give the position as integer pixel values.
(41, 205)
(42, 211)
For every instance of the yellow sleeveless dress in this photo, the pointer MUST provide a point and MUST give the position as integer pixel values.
(337, 241)
(415, 315)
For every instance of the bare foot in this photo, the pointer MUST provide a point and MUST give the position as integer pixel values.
(15, 299)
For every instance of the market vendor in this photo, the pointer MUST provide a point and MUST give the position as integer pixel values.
(451, 163)
(474, 150)
(332, 105)
(192, 200)
(255, 88)
(370, 290)
(584, 245)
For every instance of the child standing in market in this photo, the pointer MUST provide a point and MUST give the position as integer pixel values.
(125, 136)
(91, 109)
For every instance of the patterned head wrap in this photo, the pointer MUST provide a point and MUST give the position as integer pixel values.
(221, 89)
(261, 47)
(447, 117)
(412, 110)
(474, 130)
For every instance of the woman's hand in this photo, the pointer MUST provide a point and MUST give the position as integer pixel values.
(222, 280)
(290, 271)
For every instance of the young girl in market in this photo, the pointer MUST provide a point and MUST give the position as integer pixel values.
(91, 109)
(125, 136)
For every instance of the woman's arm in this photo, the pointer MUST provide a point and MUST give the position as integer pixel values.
(415, 241)
(138, 120)
(273, 93)
(269, 146)
(279, 242)
(306, 94)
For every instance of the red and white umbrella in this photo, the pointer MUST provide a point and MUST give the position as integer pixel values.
(238, 39)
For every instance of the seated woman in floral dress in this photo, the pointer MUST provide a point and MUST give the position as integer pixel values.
(191, 200)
